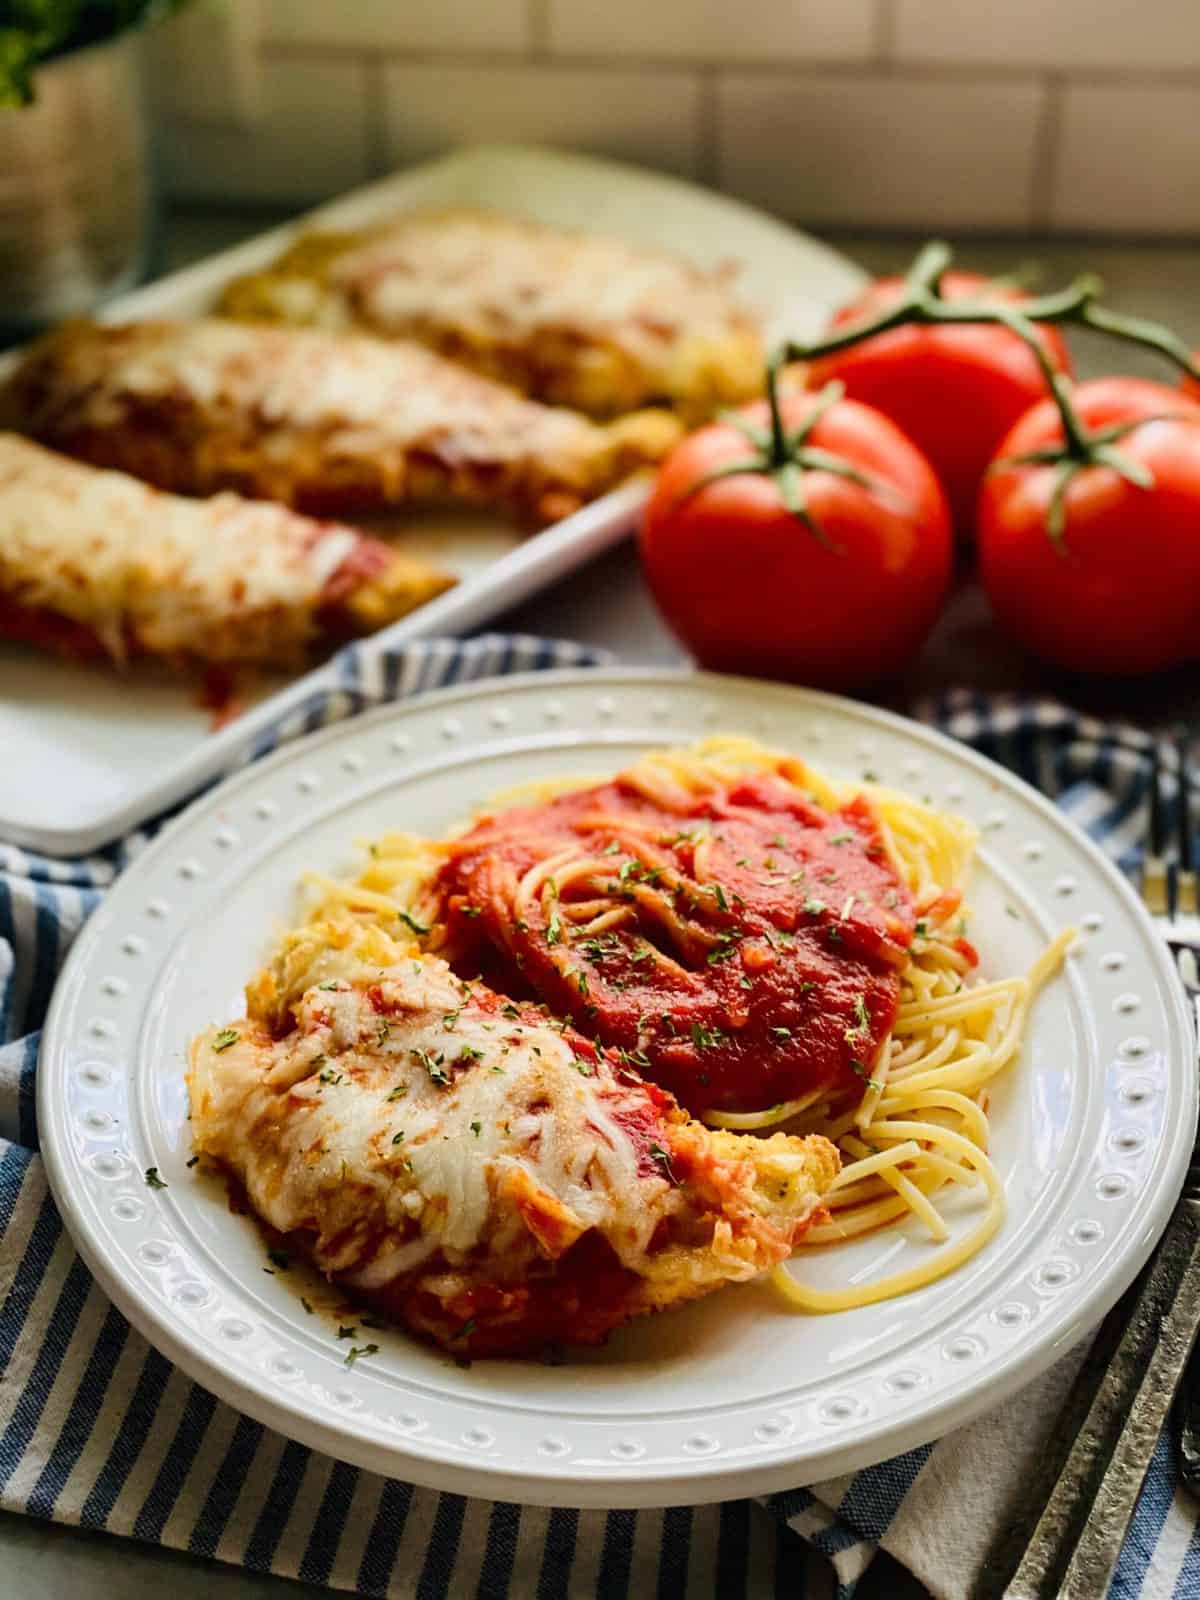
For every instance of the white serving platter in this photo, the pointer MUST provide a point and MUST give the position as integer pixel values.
(735, 1394)
(85, 755)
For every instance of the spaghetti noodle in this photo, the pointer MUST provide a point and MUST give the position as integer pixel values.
(784, 952)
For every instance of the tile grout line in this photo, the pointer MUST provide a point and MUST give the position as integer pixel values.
(379, 159)
(848, 66)
(1047, 144)
(883, 31)
(708, 127)
(537, 21)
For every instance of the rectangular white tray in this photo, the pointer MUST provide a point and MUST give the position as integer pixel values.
(85, 755)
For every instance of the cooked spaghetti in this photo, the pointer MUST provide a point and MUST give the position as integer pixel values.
(782, 952)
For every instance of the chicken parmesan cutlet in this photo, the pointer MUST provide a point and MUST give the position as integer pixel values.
(476, 1171)
(97, 565)
(328, 422)
(737, 943)
(574, 319)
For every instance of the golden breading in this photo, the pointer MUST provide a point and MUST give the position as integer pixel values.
(333, 423)
(575, 319)
(96, 564)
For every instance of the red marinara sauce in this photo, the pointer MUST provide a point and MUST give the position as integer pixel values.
(757, 955)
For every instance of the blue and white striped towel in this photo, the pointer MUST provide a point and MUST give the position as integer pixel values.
(98, 1429)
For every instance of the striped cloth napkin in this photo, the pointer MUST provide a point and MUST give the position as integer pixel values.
(97, 1429)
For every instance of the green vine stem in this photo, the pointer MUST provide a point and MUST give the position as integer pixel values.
(786, 457)
(922, 304)
(1076, 305)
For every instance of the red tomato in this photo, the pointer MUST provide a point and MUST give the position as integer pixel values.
(1120, 592)
(749, 587)
(955, 391)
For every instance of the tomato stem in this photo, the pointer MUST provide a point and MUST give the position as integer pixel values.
(921, 304)
(779, 449)
(786, 457)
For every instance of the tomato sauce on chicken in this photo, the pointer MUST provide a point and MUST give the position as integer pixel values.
(742, 952)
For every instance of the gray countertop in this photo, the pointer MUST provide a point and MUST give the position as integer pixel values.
(606, 604)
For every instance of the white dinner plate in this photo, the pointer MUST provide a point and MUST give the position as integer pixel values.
(86, 753)
(732, 1395)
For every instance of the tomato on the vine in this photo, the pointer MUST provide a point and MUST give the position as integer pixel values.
(1092, 560)
(818, 551)
(954, 390)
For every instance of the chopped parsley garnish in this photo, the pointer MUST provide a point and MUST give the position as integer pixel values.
(633, 1058)
(468, 1052)
(330, 983)
(584, 1068)
(347, 1332)
(280, 1259)
(433, 1066)
(663, 1157)
(470, 911)
(398, 1138)
(841, 838)
(330, 1076)
(705, 1038)
(580, 978)
(813, 908)
(920, 928)
(1013, 912)
(611, 849)
(806, 987)
(398, 1092)
(410, 922)
(508, 1010)
(153, 1181)
(382, 1031)
(779, 842)
(861, 1012)
(477, 1128)
(224, 1039)
(360, 1350)
(306, 1305)
(833, 935)
(193, 1161)
(451, 1018)
(554, 930)
(857, 1066)
(869, 776)
(467, 1329)
(718, 895)
(782, 1033)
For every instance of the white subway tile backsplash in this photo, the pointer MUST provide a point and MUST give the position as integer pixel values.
(646, 116)
(307, 140)
(1129, 160)
(908, 152)
(399, 24)
(1071, 34)
(715, 30)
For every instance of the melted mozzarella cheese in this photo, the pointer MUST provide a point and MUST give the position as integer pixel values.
(512, 278)
(450, 1125)
(108, 552)
(366, 397)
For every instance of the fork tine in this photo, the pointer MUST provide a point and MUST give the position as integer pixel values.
(1154, 869)
(1185, 876)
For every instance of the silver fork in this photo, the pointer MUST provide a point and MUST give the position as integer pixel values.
(1066, 1534)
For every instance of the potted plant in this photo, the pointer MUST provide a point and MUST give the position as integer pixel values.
(75, 184)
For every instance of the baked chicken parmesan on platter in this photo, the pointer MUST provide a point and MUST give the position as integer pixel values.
(615, 1043)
